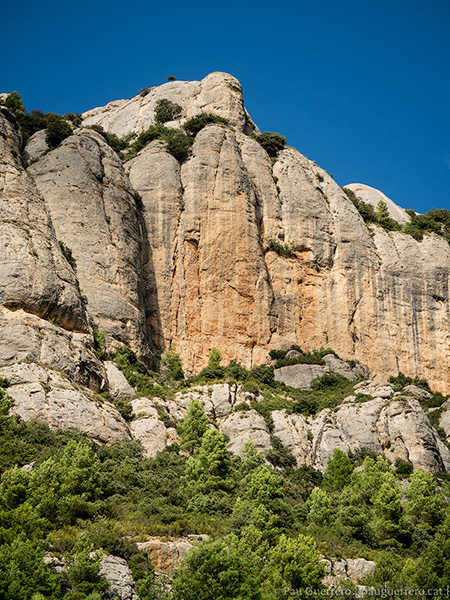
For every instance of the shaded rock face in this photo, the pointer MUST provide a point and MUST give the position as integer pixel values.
(34, 276)
(84, 178)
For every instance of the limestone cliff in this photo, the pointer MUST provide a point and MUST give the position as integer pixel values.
(196, 263)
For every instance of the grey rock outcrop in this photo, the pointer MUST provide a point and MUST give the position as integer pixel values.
(398, 428)
(40, 394)
(245, 426)
(417, 392)
(300, 376)
(121, 583)
(113, 569)
(218, 93)
(350, 569)
(149, 429)
(117, 382)
(35, 147)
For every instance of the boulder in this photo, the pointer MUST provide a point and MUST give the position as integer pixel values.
(117, 382)
(340, 367)
(117, 572)
(167, 555)
(300, 376)
(417, 392)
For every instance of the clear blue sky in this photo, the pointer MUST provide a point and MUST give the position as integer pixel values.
(362, 87)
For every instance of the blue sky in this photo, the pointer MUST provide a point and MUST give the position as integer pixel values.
(362, 87)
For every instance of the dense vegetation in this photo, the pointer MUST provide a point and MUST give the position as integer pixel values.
(58, 127)
(271, 142)
(267, 524)
(177, 141)
(166, 110)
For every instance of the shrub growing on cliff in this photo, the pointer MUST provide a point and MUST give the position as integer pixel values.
(271, 142)
(287, 250)
(116, 143)
(197, 123)
(67, 252)
(434, 221)
(58, 129)
(177, 142)
(166, 110)
(14, 102)
(380, 216)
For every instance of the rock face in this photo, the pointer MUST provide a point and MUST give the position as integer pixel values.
(351, 569)
(195, 263)
(146, 427)
(40, 394)
(84, 178)
(229, 250)
(217, 280)
(118, 384)
(300, 376)
(112, 568)
(396, 427)
(121, 582)
(372, 196)
(218, 93)
(166, 556)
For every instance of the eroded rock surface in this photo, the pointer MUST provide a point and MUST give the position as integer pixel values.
(84, 179)
(41, 394)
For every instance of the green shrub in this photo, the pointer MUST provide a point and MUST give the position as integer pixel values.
(403, 467)
(99, 339)
(434, 221)
(166, 110)
(14, 103)
(401, 380)
(116, 143)
(370, 215)
(271, 142)
(67, 252)
(328, 380)
(313, 357)
(288, 250)
(197, 123)
(144, 92)
(123, 406)
(171, 366)
(58, 129)
(177, 143)
(279, 456)
(32, 122)
(75, 118)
